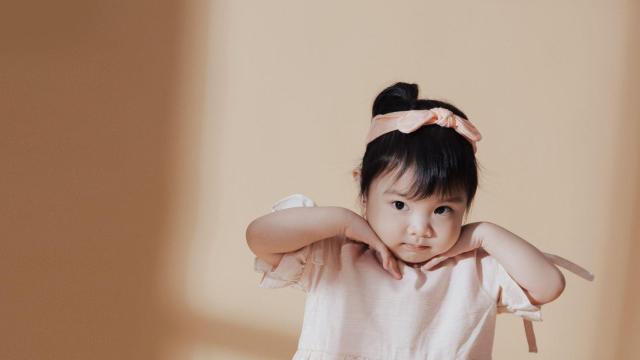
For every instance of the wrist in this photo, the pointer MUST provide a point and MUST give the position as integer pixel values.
(342, 217)
(472, 234)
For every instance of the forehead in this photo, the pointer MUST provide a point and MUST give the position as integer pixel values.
(388, 180)
(387, 185)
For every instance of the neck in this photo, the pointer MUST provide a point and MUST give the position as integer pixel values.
(416, 265)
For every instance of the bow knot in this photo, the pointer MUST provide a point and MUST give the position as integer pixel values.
(411, 120)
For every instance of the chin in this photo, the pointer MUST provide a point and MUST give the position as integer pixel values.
(415, 258)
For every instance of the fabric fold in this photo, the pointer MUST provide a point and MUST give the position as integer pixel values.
(293, 269)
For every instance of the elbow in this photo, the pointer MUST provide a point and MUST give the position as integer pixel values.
(255, 236)
(250, 235)
(554, 290)
(559, 285)
(562, 283)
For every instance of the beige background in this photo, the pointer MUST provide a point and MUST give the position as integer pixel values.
(139, 139)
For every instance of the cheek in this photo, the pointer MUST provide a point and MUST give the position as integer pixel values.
(376, 222)
(449, 231)
(454, 235)
(389, 232)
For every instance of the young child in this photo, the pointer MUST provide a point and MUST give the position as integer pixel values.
(405, 279)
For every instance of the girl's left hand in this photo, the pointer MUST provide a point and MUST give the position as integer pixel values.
(468, 240)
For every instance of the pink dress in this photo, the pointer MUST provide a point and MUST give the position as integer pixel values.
(354, 309)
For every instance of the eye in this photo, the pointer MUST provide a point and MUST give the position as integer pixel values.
(444, 207)
(396, 204)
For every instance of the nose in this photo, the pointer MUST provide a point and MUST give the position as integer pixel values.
(420, 229)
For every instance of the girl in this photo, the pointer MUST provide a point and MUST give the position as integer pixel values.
(405, 279)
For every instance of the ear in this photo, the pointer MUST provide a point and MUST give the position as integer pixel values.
(356, 175)
(363, 203)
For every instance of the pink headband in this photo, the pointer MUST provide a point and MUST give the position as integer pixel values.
(411, 120)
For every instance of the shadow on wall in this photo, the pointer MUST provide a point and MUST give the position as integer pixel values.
(91, 92)
(88, 90)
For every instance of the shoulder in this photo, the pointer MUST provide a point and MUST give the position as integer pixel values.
(468, 259)
(486, 267)
(484, 261)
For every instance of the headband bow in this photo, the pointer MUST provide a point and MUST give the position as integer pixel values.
(410, 120)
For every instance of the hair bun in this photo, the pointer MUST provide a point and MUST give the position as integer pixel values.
(397, 97)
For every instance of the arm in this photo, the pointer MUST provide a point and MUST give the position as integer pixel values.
(286, 230)
(538, 277)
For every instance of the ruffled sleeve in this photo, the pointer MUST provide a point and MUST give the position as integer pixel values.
(509, 296)
(512, 298)
(295, 268)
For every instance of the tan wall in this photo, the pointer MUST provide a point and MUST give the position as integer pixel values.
(139, 139)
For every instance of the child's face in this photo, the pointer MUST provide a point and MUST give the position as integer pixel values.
(435, 224)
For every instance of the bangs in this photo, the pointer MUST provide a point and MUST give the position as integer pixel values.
(441, 167)
(428, 181)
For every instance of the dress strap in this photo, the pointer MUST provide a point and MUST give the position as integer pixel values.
(531, 336)
(571, 266)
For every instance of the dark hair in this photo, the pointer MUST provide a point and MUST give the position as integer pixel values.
(444, 160)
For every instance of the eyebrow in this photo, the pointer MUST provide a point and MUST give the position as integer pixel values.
(394, 192)
(453, 199)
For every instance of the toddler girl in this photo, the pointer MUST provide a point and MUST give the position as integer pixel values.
(405, 279)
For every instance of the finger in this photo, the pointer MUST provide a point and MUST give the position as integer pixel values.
(397, 267)
(393, 267)
(388, 259)
(384, 262)
(433, 262)
(390, 263)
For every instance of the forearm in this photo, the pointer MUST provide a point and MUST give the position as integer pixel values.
(524, 262)
(290, 229)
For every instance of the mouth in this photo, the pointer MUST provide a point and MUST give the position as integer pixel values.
(415, 247)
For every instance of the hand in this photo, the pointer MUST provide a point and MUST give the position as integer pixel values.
(358, 229)
(468, 240)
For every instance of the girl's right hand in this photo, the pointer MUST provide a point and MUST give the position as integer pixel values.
(358, 229)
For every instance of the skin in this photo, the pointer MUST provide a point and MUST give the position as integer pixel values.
(391, 223)
(437, 223)
(399, 222)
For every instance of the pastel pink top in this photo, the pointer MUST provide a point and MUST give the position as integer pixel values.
(355, 309)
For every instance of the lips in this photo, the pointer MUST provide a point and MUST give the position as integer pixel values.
(415, 247)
